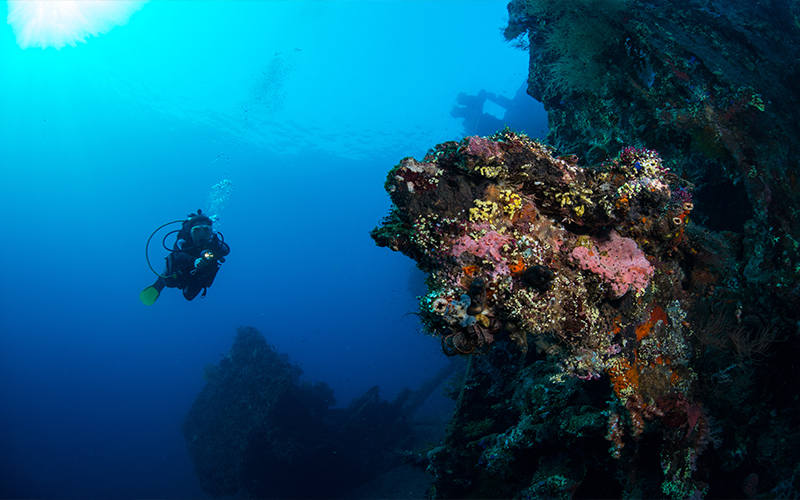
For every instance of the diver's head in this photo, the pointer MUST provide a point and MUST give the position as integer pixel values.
(201, 234)
(199, 227)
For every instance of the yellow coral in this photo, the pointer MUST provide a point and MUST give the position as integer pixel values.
(563, 198)
(576, 197)
(484, 211)
(508, 202)
(584, 241)
(511, 202)
(582, 194)
(490, 171)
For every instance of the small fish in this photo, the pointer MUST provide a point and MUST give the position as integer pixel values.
(571, 159)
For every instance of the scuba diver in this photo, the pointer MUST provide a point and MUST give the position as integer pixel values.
(193, 261)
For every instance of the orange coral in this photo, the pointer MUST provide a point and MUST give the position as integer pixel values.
(617, 322)
(656, 315)
(625, 379)
(518, 266)
(622, 205)
(680, 221)
(471, 270)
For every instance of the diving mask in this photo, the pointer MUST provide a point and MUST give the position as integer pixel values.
(201, 234)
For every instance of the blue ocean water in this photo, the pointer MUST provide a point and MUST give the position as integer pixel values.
(303, 107)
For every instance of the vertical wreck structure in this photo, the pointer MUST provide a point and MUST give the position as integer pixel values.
(620, 292)
(713, 86)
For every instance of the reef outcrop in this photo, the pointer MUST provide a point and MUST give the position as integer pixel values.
(570, 282)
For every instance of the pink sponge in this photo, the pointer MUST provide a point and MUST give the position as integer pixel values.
(618, 261)
(482, 147)
(491, 243)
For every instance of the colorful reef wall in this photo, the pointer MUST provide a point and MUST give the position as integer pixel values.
(628, 294)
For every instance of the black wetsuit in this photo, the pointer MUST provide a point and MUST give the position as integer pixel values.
(181, 271)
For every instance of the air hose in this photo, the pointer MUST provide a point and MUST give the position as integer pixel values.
(147, 247)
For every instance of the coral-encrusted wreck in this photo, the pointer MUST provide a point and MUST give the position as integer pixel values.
(569, 281)
(254, 431)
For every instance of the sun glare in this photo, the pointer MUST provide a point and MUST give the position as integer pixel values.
(56, 23)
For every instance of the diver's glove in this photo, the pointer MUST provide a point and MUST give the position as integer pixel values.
(206, 258)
